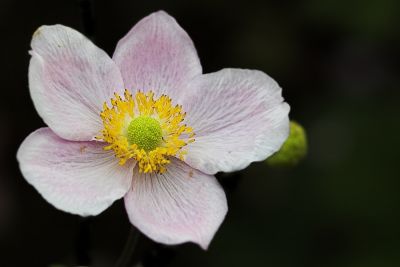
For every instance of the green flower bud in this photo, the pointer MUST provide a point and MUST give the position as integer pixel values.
(293, 150)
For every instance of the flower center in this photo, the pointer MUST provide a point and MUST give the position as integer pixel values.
(145, 132)
(145, 129)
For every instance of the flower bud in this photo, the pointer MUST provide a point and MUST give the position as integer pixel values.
(293, 150)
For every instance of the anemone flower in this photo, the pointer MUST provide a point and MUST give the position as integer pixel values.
(145, 125)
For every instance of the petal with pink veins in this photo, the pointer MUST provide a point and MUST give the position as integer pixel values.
(181, 205)
(158, 55)
(239, 116)
(76, 177)
(69, 79)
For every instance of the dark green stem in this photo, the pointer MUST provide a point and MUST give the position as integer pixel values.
(83, 242)
(126, 258)
(87, 17)
(83, 239)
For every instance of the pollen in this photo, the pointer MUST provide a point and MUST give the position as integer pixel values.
(144, 129)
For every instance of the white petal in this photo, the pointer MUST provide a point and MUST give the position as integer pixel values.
(69, 80)
(178, 206)
(238, 116)
(158, 55)
(76, 177)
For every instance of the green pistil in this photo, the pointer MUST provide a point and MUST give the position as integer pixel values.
(145, 132)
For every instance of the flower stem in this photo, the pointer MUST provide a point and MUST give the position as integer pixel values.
(83, 242)
(83, 239)
(87, 16)
(126, 257)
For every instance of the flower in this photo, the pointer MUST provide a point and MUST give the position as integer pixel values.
(145, 125)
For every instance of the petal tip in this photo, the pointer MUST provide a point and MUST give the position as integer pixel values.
(37, 32)
(196, 217)
(79, 189)
(161, 13)
(42, 29)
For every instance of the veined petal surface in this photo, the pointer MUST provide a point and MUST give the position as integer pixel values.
(69, 79)
(158, 55)
(76, 177)
(181, 205)
(239, 116)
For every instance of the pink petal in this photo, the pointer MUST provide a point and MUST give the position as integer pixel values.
(69, 80)
(76, 177)
(178, 206)
(158, 55)
(238, 116)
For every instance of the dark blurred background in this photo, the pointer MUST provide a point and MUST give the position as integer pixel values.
(338, 64)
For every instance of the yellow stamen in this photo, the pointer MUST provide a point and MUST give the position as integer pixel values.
(142, 108)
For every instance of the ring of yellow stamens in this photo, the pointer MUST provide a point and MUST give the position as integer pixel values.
(145, 129)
